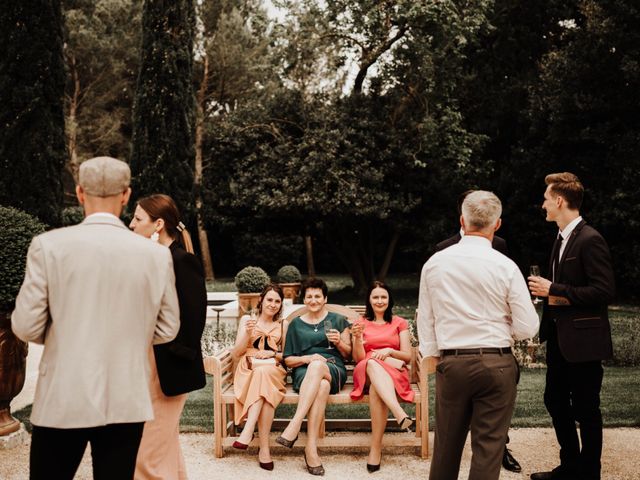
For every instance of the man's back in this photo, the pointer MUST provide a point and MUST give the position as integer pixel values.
(476, 295)
(92, 294)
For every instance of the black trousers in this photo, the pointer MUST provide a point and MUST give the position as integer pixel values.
(57, 452)
(572, 394)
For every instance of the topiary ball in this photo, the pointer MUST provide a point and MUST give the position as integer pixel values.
(251, 280)
(17, 228)
(289, 274)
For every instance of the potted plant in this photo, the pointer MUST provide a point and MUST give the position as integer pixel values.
(250, 281)
(289, 279)
(17, 228)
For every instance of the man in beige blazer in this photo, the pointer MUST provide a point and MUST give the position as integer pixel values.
(97, 296)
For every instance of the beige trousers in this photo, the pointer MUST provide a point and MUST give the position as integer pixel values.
(160, 456)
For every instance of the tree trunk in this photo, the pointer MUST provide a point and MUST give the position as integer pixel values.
(205, 252)
(388, 256)
(72, 122)
(308, 243)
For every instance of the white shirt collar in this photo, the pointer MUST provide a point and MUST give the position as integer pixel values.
(102, 215)
(566, 233)
(475, 240)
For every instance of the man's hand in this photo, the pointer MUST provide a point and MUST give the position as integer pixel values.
(539, 286)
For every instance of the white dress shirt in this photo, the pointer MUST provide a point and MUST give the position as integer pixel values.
(566, 233)
(472, 296)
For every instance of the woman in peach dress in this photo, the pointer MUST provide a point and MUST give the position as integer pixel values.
(381, 345)
(259, 389)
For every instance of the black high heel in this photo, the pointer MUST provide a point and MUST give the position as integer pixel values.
(286, 443)
(372, 468)
(405, 423)
(319, 470)
(266, 465)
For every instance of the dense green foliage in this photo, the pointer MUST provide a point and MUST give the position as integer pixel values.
(348, 126)
(101, 52)
(162, 156)
(32, 77)
(288, 274)
(17, 228)
(251, 280)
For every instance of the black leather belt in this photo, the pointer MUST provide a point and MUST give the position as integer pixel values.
(476, 351)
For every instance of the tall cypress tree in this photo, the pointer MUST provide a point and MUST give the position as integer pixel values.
(32, 78)
(162, 157)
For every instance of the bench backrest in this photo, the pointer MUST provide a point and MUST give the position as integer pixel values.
(352, 312)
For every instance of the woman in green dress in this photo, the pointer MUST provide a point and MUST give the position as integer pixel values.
(317, 360)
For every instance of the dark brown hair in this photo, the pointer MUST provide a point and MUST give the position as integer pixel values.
(162, 206)
(568, 186)
(267, 288)
(313, 282)
(368, 312)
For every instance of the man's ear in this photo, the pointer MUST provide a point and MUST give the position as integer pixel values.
(462, 223)
(498, 225)
(125, 196)
(80, 194)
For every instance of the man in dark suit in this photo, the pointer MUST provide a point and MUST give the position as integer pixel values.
(500, 244)
(575, 325)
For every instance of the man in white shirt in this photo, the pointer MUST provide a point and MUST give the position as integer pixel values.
(96, 295)
(473, 303)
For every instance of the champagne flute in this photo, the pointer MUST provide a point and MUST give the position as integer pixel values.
(327, 329)
(534, 271)
(253, 318)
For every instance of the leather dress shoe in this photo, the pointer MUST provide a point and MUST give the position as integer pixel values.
(555, 474)
(509, 462)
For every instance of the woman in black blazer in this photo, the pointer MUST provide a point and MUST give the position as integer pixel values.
(176, 367)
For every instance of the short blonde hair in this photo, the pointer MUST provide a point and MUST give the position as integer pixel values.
(481, 209)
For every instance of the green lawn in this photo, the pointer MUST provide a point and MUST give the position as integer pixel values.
(620, 407)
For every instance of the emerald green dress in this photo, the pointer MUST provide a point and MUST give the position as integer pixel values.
(306, 339)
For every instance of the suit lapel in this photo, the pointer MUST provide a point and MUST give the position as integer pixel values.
(570, 243)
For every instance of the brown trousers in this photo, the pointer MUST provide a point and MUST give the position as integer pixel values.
(477, 393)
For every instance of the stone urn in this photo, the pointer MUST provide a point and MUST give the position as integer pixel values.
(291, 290)
(13, 363)
(246, 302)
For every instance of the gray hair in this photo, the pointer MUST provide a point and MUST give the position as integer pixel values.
(481, 209)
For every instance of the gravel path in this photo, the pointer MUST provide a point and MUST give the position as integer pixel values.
(535, 448)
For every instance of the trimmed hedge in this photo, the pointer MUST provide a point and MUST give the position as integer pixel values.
(17, 228)
(251, 280)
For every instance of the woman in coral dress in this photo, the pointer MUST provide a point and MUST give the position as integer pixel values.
(381, 344)
(259, 380)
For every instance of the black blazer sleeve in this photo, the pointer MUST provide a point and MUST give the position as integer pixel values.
(179, 362)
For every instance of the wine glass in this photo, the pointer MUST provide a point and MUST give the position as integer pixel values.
(534, 271)
(327, 329)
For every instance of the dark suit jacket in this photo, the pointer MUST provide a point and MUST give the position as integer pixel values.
(179, 362)
(585, 278)
(498, 244)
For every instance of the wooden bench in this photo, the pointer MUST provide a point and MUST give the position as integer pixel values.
(222, 368)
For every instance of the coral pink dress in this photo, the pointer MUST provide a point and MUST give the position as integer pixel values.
(375, 337)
